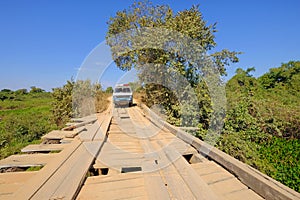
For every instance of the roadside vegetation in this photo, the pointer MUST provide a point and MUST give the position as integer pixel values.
(74, 98)
(262, 125)
(25, 117)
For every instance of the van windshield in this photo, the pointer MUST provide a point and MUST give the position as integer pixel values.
(123, 90)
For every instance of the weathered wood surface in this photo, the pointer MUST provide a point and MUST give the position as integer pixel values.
(26, 160)
(60, 134)
(87, 120)
(11, 182)
(37, 182)
(66, 181)
(43, 148)
(166, 174)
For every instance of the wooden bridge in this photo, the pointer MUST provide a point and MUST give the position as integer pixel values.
(130, 153)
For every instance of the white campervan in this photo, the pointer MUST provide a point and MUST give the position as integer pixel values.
(122, 95)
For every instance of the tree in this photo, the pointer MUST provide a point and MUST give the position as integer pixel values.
(285, 75)
(6, 90)
(6, 94)
(36, 90)
(21, 91)
(188, 22)
(109, 90)
(141, 37)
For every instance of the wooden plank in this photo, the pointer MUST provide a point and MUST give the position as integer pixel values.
(208, 167)
(76, 131)
(176, 185)
(67, 180)
(227, 186)
(181, 146)
(54, 135)
(26, 160)
(163, 181)
(119, 186)
(173, 182)
(60, 134)
(112, 178)
(11, 182)
(198, 187)
(90, 132)
(35, 183)
(90, 120)
(117, 181)
(155, 186)
(126, 192)
(104, 125)
(242, 194)
(116, 158)
(71, 123)
(44, 147)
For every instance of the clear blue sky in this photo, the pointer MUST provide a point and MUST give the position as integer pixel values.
(43, 43)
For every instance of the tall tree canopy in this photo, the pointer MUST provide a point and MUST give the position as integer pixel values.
(144, 36)
(188, 22)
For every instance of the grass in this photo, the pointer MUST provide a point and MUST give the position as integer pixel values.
(23, 121)
(102, 101)
(34, 168)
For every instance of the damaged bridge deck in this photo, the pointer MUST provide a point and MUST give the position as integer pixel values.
(129, 153)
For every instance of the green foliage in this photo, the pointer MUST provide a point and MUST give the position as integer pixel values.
(263, 122)
(159, 68)
(6, 94)
(83, 97)
(189, 22)
(24, 121)
(135, 86)
(283, 157)
(78, 98)
(62, 105)
(21, 91)
(34, 168)
(109, 90)
(36, 90)
(287, 75)
(7, 91)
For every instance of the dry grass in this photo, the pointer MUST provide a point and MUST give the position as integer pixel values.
(102, 101)
(139, 97)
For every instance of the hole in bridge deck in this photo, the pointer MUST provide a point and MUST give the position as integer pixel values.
(41, 152)
(188, 157)
(130, 169)
(51, 141)
(20, 169)
(103, 171)
(97, 171)
(193, 158)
